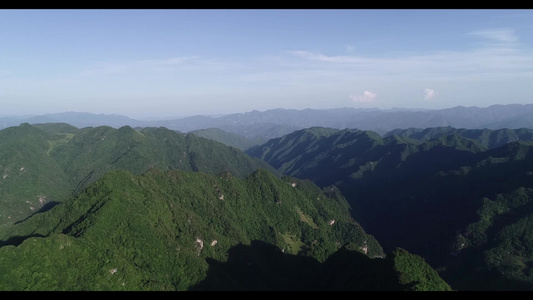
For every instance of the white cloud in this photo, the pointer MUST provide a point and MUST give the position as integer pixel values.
(366, 97)
(429, 93)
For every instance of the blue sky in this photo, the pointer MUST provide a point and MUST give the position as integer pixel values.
(165, 63)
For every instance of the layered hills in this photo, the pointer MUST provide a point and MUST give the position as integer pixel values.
(261, 126)
(449, 195)
(100, 208)
(146, 202)
(44, 164)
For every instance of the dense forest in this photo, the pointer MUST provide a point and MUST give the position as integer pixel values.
(45, 164)
(103, 208)
(155, 209)
(459, 198)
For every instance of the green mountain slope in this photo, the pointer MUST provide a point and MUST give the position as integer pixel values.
(94, 151)
(228, 138)
(495, 251)
(47, 163)
(31, 179)
(330, 156)
(486, 137)
(174, 230)
(424, 195)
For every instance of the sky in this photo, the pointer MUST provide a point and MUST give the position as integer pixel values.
(157, 63)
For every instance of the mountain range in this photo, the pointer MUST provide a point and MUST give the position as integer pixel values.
(261, 126)
(463, 203)
(159, 210)
(344, 199)
(46, 163)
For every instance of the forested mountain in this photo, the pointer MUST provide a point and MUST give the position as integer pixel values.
(183, 230)
(47, 163)
(459, 199)
(486, 137)
(445, 197)
(228, 138)
(100, 208)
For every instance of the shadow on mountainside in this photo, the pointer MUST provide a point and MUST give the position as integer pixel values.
(46, 207)
(17, 240)
(264, 267)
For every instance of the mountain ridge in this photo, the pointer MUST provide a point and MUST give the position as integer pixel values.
(281, 121)
(424, 193)
(461, 198)
(47, 163)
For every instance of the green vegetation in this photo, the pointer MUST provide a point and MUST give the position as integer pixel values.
(415, 274)
(497, 250)
(163, 230)
(228, 138)
(31, 179)
(458, 198)
(486, 137)
(45, 164)
(154, 209)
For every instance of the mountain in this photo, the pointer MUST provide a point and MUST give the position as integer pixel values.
(447, 198)
(31, 178)
(228, 138)
(331, 156)
(45, 164)
(486, 137)
(275, 123)
(443, 200)
(184, 230)
(261, 267)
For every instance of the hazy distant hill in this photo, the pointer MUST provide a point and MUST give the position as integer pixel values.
(278, 122)
(77, 119)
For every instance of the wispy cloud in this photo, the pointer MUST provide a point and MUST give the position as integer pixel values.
(502, 57)
(172, 61)
(330, 59)
(497, 35)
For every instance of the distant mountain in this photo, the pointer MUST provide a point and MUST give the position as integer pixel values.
(381, 121)
(174, 230)
(77, 119)
(278, 122)
(446, 197)
(47, 163)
